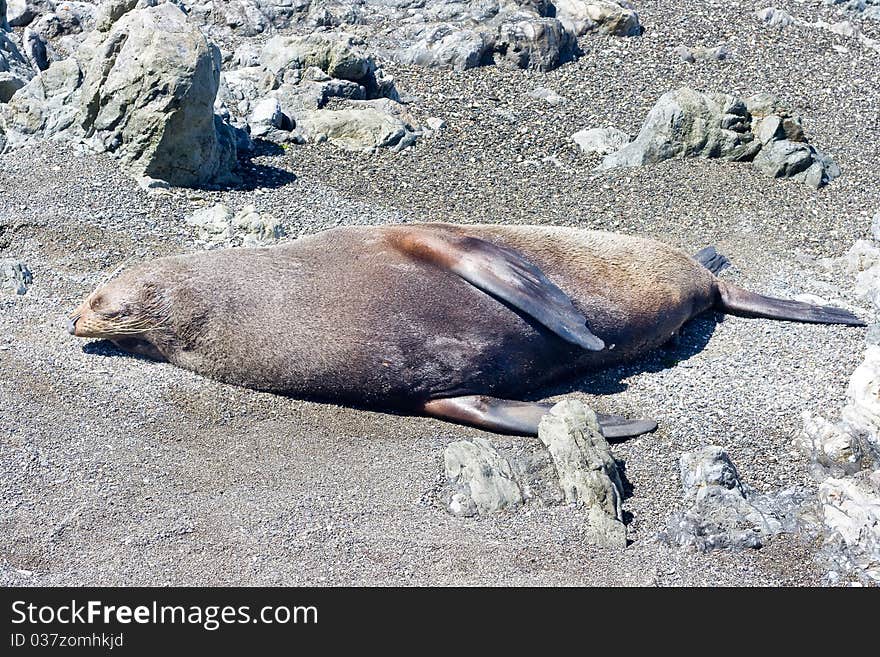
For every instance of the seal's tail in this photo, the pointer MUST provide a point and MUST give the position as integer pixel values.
(737, 301)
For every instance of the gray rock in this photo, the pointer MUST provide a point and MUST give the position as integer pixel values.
(265, 116)
(699, 53)
(601, 141)
(45, 107)
(587, 472)
(775, 18)
(148, 95)
(536, 43)
(339, 55)
(724, 512)
(798, 160)
(851, 514)
(19, 13)
(15, 276)
(444, 46)
(833, 449)
(365, 129)
(582, 16)
(218, 226)
(479, 480)
(15, 70)
(548, 96)
(687, 123)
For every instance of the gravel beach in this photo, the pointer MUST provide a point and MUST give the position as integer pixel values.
(115, 470)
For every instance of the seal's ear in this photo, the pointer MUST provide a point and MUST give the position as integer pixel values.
(503, 273)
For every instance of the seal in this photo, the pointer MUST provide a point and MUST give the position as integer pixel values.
(464, 323)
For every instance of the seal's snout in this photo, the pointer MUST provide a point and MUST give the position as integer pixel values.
(71, 324)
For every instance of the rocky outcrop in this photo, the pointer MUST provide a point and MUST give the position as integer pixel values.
(687, 123)
(480, 480)
(15, 70)
(587, 471)
(217, 226)
(15, 276)
(724, 512)
(141, 87)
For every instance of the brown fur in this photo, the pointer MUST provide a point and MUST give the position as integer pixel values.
(348, 315)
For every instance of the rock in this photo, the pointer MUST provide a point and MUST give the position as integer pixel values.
(862, 410)
(548, 96)
(435, 124)
(47, 106)
(832, 448)
(536, 43)
(479, 480)
(798, 160)
(363, 129)
(687, 123)
(587, 471)
(337, 54)
(15, 71)
(582, 16)
(444, 46)
(19, 13)
(776, 18)
(265, 117)
(15, 276)
(148, 95)
(692, 55)
(36, 50)
(219, 227)
(724, 512)
(851, 513)
(601, 141)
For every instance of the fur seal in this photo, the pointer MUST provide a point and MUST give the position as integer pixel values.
(446, 320)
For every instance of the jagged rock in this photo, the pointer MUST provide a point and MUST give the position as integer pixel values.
(797, 160)
(15, 276)
(692, 55)
(46, 106)
(773, 17)
(19, 13)
(479, 480)
(548, 96)
(36, 50)
(218, 226)
(444, 46)
(339, 55)
(833, 449)
(586, 469)
(537, 43)
(352, 129)
(724, 512)
(687, 123)
(851, 513)
(601, 141)
(862, 410)
(148, 95)
(14, 68)
(265, 117)
(582, 16)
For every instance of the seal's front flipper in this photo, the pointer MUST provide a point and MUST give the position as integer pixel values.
(504, 274)
(521, 418)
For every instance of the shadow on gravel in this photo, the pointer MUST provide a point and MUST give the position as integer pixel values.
(253, 176)
(107, 348)
(693, 338)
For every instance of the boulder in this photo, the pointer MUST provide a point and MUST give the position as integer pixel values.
(15, 276)
(582, 16)
(687, 123)
(479, 480)
(536, 43)
(601, 141)
(365, 129)
(445, 46)
(586, 470)
(339, 55)
(148, 95)
(851, 514)
(724, 512)
(15, 71)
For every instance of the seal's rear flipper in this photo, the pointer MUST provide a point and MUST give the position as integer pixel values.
(504, 274)
(712, 260)
(520, 418)
(737, 301)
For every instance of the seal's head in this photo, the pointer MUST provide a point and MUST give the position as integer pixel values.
(131, 310)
